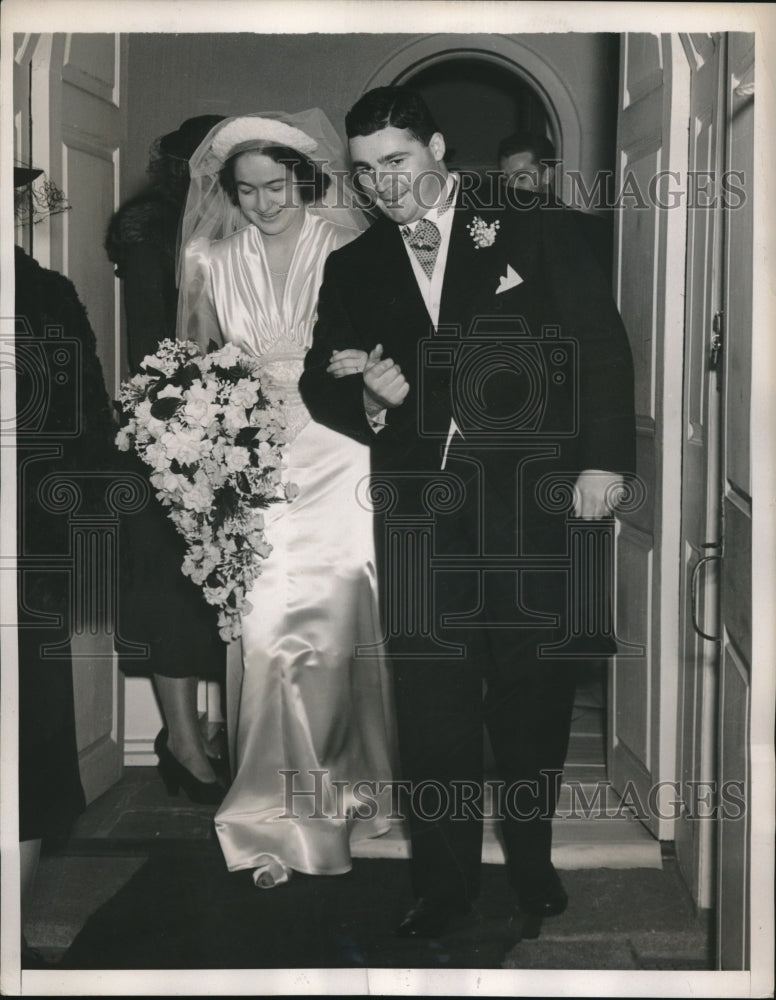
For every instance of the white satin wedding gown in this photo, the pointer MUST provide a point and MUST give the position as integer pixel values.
(304, 714)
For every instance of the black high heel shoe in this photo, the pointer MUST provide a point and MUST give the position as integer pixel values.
(176, 776)
(219, 761)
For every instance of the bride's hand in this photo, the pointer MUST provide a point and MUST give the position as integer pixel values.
(349, 362)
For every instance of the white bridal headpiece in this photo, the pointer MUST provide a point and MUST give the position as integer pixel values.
(240, 134)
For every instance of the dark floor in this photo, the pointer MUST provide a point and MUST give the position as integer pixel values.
(141, 884)
(107, 899)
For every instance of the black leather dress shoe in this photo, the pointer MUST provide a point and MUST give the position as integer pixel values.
(542, 894)
(428, 918)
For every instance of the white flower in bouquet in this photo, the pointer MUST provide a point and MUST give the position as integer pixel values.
(182, 445)
(228, 356)
(187, 523)
(218, 595)
(124, 438)
(263, 548)
(237, 458)
(169, 357)
(170, 392)
(156, 456)
(233, 418)
(198, 497)
(264, 451)
(218, 450)
(148, 426)
(244, 394)
(135, 389)
(166, 482)
(200, 407)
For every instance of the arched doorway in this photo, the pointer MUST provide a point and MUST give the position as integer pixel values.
(476, 103)
(483, 87)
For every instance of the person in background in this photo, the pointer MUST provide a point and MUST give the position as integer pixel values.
(528, 161)
(51, 796)
(159, 606)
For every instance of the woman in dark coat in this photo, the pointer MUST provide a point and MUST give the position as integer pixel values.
(159, 606)
(64, 428)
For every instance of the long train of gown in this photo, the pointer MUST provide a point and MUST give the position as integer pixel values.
(304, 714)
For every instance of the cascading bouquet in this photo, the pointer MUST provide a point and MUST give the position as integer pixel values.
(212, 434)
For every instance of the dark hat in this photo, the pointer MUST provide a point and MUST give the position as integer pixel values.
(184, 140)
(24, 175)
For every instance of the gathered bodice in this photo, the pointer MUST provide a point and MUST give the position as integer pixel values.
(232, 300)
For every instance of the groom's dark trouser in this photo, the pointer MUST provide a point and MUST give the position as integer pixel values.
(440, 707)
(440, 713)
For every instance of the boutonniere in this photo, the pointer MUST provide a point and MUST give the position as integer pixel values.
(484, 235)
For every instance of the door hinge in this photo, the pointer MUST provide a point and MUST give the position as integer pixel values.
(717, 336)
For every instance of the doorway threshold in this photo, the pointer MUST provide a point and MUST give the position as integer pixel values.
(592, 827)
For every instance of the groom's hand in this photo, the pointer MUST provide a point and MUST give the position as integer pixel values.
(596, 494)
(384, 385)
(347, 362)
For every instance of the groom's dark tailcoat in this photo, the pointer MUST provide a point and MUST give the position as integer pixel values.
(539, 379)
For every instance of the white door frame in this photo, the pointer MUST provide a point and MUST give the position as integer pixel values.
(652, 134)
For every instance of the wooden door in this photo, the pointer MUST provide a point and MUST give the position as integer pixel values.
(735, 668)
(75, 107)
(24, 45)
(700, 508)
(649, 287)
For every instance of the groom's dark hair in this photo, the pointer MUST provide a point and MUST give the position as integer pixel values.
(383, 107)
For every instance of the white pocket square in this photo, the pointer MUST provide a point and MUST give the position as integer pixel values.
(508, 280)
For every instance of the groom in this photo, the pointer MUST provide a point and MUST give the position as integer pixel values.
(498, 371)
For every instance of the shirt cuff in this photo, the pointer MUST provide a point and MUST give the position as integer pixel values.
(377, 422)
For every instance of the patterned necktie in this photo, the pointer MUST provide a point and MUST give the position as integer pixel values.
(424, 240)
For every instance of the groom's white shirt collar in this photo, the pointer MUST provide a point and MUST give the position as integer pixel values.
(446, 200)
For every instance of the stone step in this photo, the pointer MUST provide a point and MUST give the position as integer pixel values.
(577, 844)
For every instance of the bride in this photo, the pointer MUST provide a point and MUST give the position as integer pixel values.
(308, 697)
